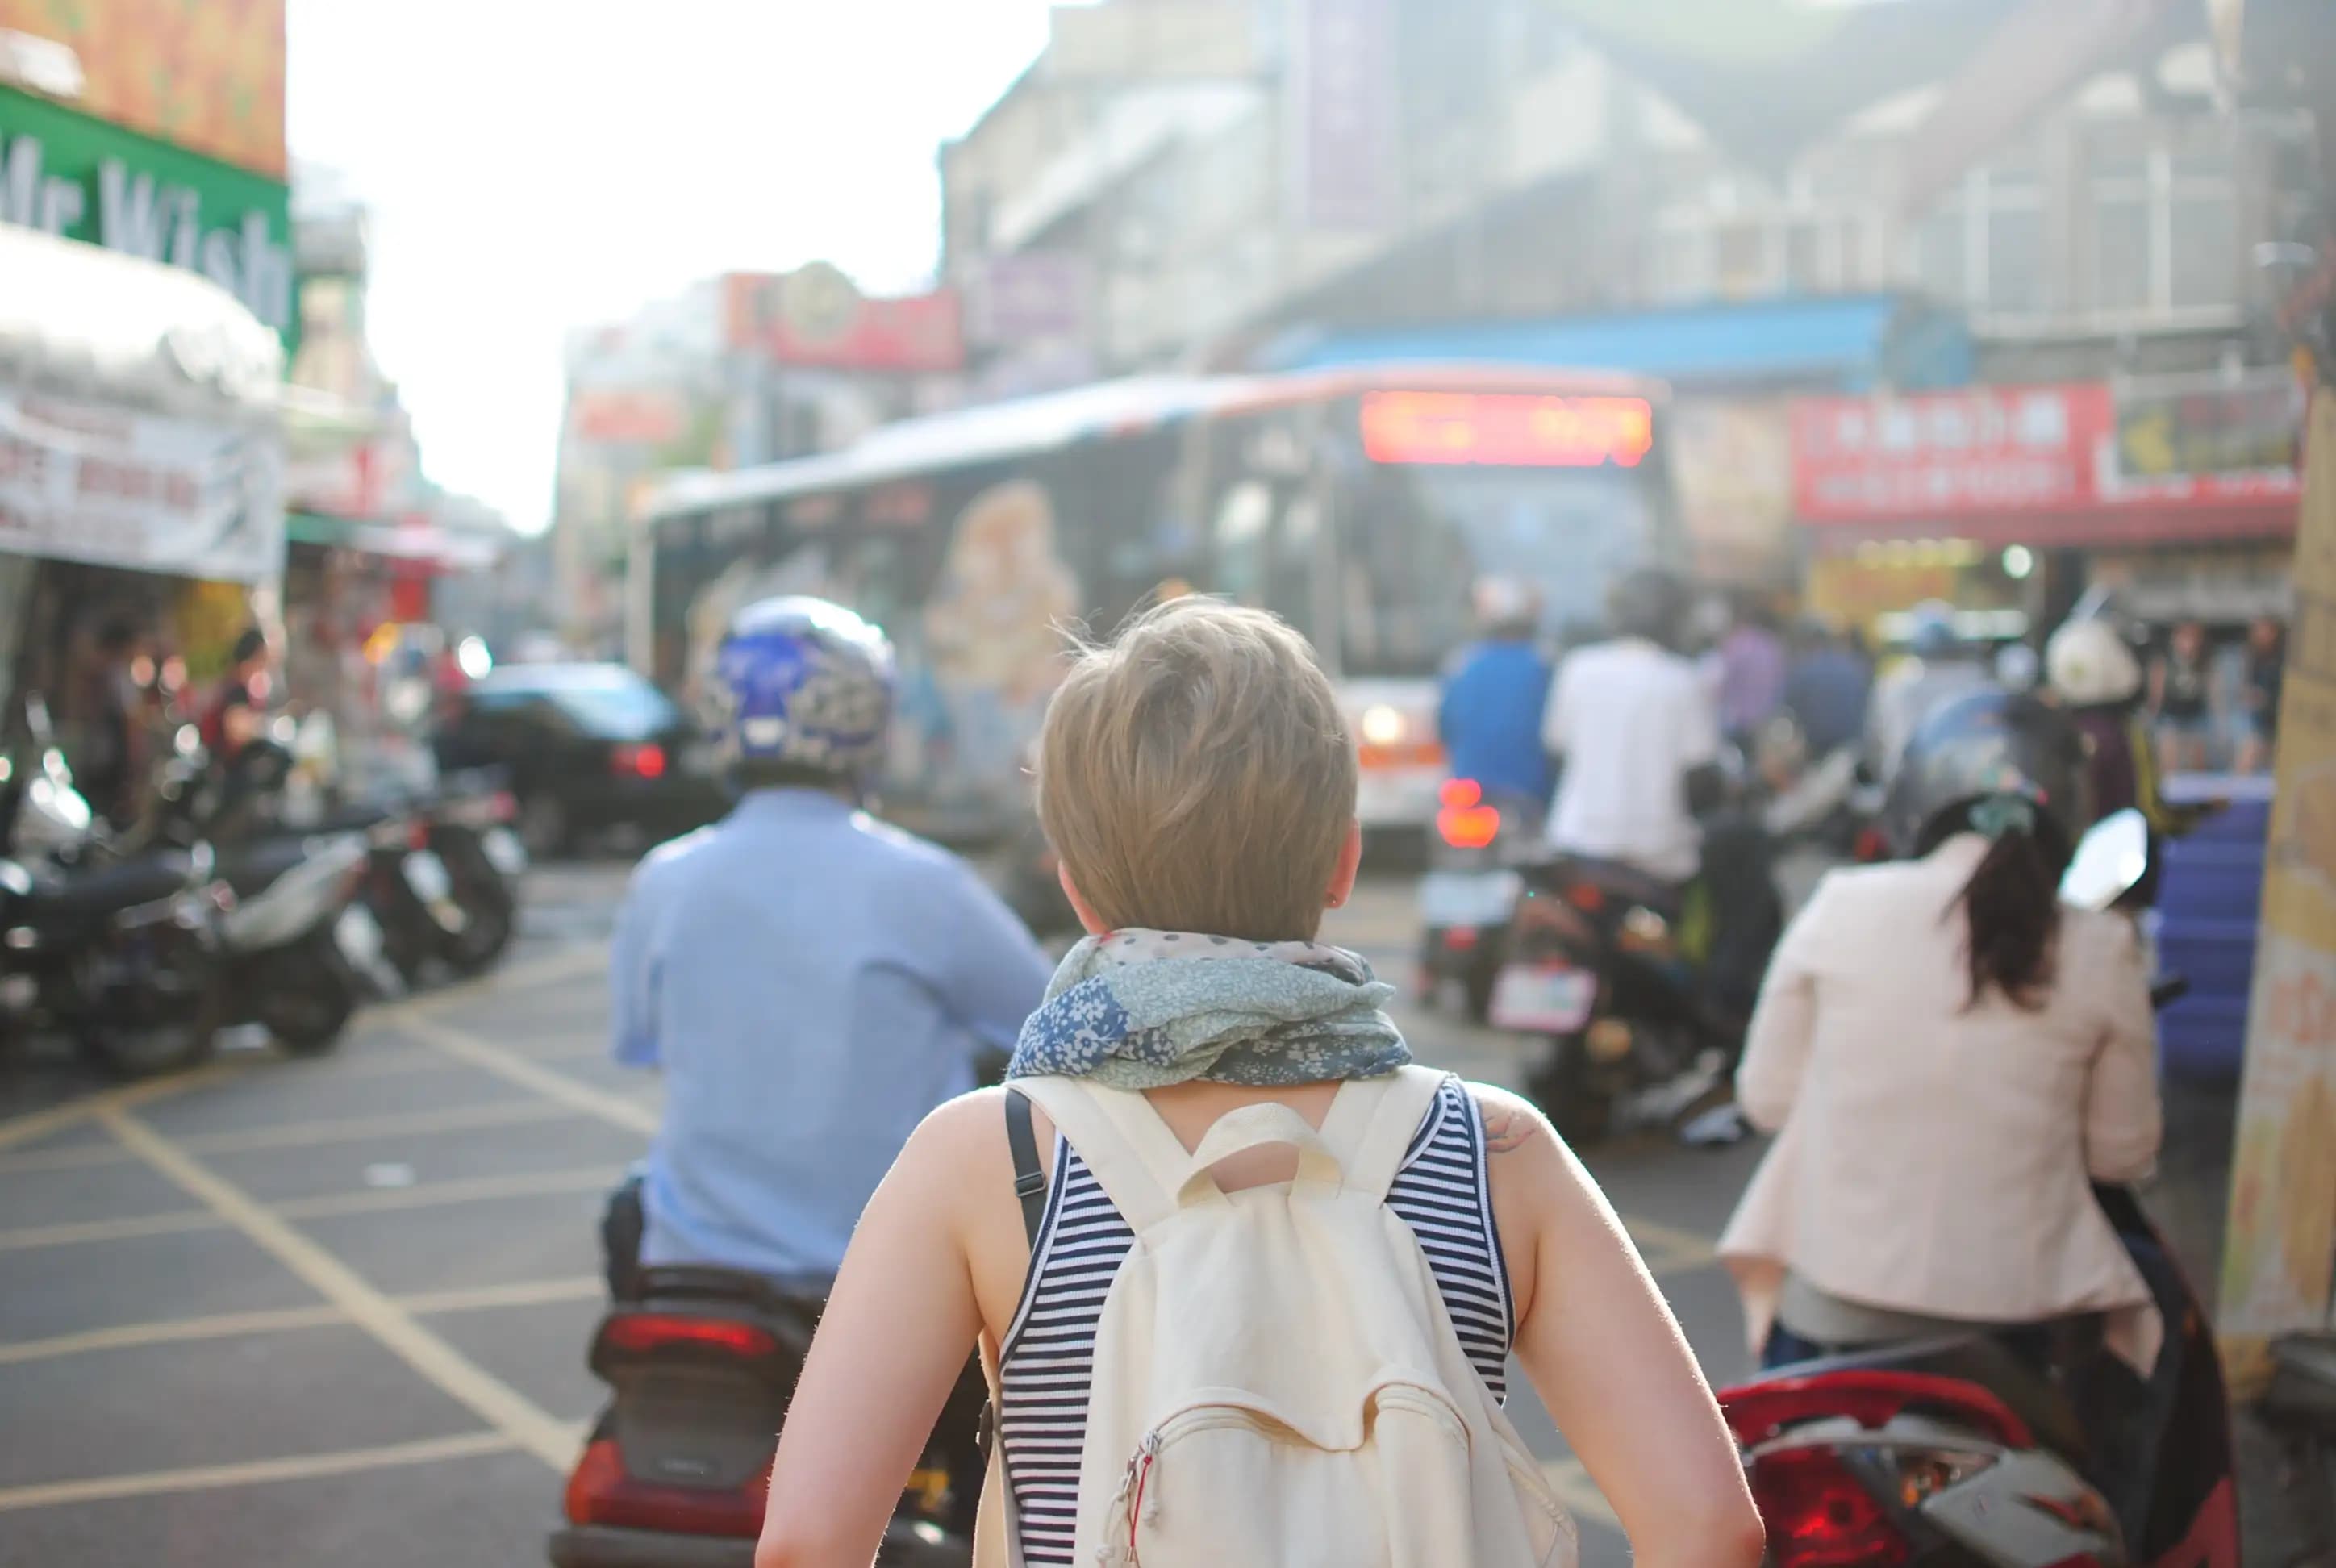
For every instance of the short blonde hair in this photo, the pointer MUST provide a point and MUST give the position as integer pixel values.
(1196, 775)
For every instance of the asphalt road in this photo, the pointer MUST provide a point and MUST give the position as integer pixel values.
(336, 1310)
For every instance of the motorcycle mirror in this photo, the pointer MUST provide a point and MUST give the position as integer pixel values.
(188, 741)
(2109, 862)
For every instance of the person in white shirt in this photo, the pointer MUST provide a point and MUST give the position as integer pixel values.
(1637, 734)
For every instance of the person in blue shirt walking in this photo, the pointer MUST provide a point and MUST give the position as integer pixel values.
(1489, 718)
(809, 982)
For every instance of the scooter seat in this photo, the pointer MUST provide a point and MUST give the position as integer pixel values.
(1980, 1360)
(2302, 1393)
(103, 889)
(1624, 882)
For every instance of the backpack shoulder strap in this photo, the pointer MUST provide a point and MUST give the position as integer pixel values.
(1029, 1178)
(1123, 1141)
(1372, 1122)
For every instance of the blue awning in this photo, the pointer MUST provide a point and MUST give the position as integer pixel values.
(1847, 341)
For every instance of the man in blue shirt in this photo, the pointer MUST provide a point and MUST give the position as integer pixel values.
(809, 982)
(1490, 714)
(1827, 688)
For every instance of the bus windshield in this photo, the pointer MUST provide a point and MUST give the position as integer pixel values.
(1421, 536)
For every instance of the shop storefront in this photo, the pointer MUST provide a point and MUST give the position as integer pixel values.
(2008, 502)
(147, 310)
(139, 462)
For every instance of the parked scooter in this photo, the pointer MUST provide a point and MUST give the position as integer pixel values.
(125, 959)
(677, 1467)
(1470, 892)
(1641, 993)
(472, 832)
(1954, 1453)
(302, 948)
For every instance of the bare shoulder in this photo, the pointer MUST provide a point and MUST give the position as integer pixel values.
(1511, 1121)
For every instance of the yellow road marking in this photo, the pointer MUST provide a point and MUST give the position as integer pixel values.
(56, 1118)
(567, 963)
(1679, 1248)
(513, 1067)
(124, 1230)
(302, 1134)
(231, 1325)
(435, 1194)
(220, 1326)
(215, 1477)
(1578, 1492)
(511, 1413)
(523, 1293)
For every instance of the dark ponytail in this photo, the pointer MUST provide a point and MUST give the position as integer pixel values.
(2012, 906)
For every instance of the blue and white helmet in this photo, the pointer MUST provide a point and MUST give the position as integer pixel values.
(803, 682)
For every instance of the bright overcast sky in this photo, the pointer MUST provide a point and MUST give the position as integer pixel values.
(535, 166)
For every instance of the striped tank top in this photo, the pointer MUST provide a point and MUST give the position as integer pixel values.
(1048, 1361)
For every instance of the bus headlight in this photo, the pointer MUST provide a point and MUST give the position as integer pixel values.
(1382, 725)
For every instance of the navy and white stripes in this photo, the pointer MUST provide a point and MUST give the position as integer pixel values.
(1049, 1355)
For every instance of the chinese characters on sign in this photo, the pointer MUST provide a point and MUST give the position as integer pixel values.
(1995, 450)
(1346, 140)
(82, 483)
(1983, 449)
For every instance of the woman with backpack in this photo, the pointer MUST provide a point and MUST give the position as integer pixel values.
(1245, 1280)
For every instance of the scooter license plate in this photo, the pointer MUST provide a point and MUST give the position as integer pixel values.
(425, 873)
(1538, 1000)
(358, 937)
(1468, 898)
(504, 852)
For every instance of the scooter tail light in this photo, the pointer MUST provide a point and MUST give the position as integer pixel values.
(1818, 1514)
(601, 1491)
(502, 806)
(1473, 828)
(639, 1333)
(646, 760)
(417, 834)
(1757, 1412)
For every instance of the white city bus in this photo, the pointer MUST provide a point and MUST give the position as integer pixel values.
(1361, 505)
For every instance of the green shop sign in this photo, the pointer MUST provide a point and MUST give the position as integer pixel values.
(71, 175)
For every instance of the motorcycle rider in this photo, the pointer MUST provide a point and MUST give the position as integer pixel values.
(1940, 665)
(1635, 731)
(1489, 716)
(2091, 668)
(1945, 1092)
(809, 982)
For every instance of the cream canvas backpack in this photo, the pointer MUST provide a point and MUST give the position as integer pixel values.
(1277, 1381)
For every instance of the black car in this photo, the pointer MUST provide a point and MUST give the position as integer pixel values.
(586, 748)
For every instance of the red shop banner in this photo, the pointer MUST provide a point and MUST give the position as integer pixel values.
(814, 318)
(1942, 455)
(1983, 453)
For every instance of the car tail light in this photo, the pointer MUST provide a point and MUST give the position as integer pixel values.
(638, 1333)
(644, 761)
(1587, 897)
(601, 1491)
(1759, 1411)
(1819, 1515)
(1463, 821)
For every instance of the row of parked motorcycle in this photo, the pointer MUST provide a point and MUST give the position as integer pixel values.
(225, 903)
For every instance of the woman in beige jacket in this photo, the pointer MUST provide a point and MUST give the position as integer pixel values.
(1951, 1058)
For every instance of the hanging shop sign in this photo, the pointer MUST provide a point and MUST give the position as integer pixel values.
(82, 179)
(1982, 450)
(815, 317)
(83, 482)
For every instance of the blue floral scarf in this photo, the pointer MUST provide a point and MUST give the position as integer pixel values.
(1140, 1009)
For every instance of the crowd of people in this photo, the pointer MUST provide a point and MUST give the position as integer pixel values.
(823, 1030)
